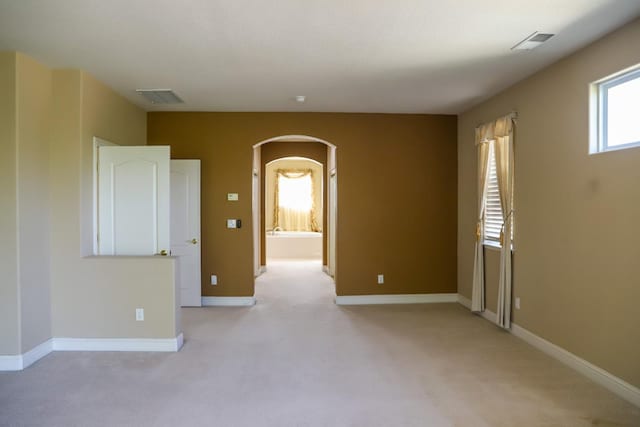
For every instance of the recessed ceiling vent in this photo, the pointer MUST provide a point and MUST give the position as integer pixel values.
(160, 96)
(533, 41)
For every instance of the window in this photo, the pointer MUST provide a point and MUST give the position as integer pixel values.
(615, 102)
(295, 193)
(492, 209)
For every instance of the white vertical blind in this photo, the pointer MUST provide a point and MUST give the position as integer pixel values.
(493, 211)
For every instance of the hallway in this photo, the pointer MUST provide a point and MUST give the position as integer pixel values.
(294, 282)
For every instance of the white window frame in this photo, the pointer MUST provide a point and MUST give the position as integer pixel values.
(599, 117)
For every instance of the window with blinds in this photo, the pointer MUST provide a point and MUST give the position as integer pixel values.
(493, 209)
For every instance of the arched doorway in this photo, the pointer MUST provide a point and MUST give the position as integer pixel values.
(295, 146)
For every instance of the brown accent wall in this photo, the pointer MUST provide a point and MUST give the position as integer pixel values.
(396, 194)
(278, 149)
(577, 237)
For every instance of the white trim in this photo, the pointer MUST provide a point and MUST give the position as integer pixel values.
(22, 361)
(97, 143)
(294, 138)
(464, 301)
(598, 375)
(591, 371)
(228, 301)
(11, 363)
(395, 299)
(118, 344)
(487, 314)
(37, 353)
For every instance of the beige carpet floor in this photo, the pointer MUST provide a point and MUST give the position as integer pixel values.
(297, 359)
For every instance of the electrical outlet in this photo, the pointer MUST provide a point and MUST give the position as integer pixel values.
(231, 223)
(380, 279)
(232, 197)
(518, 303)
(139, 314)
(214, 279)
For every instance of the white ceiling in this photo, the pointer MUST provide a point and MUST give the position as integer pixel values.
(392, 56)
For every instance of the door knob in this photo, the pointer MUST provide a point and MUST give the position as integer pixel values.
(194, 241)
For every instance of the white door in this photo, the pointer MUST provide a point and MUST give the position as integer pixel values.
(133, 200)
(185, 228)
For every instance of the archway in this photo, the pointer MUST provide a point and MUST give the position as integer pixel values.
(285, 149)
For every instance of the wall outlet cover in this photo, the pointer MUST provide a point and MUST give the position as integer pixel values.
(231, 223)
(139, 314)
(214, 279)
(380, 279)
(232, 197)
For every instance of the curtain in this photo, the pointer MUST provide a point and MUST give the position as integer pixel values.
(503, 135)
(484, 134)
(296, 210)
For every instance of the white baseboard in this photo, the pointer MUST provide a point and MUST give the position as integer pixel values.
(118, 344)
(22, 361)
(228, 301)
(591, 371)
(37, 353)
(596, 374)
(464, 301)
(11, 363)
(395, 299)
(487, 314)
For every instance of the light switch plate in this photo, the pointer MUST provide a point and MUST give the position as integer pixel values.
(231, 223)
(214, 279)
(139, 314)
(232, 197)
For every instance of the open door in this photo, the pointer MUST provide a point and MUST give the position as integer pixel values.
(185, 228)
(133, 200)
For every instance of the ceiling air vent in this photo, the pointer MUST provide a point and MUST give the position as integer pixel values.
(160, 96)
(533, 41)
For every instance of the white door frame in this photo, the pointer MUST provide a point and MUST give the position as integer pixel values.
(97, 143)
(332, 213)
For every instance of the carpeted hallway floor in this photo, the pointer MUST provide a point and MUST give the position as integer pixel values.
(297, 359)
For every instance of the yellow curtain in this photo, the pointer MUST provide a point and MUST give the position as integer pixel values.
(484, 134)
(500, 133)
(290, 219)
(505, 173)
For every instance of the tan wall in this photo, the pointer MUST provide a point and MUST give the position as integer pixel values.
(24, 225)
(112, 118)
(278, 149)
(396, 194)
(96, 297)
(33, 129)
(576, 264)
(9, 300)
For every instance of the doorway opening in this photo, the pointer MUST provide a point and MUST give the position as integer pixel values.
(294, 208)
(294, 204)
